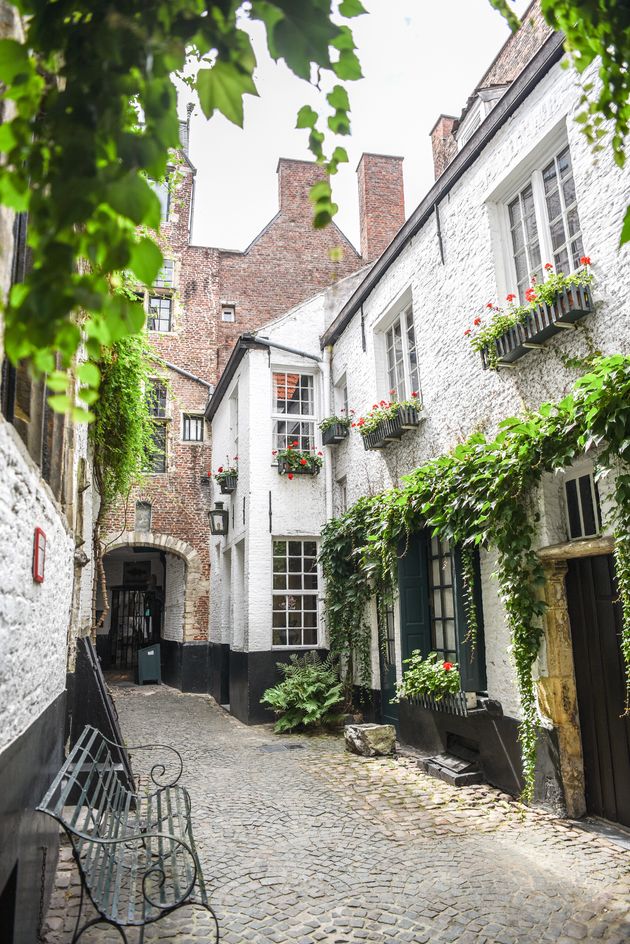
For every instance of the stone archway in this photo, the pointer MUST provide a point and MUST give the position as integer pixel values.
(194, 583)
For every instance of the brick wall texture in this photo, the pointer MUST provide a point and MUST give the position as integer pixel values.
(288, 262)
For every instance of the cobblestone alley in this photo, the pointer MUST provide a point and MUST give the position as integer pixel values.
(316, 845)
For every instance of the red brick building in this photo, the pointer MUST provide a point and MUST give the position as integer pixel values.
(157, 560)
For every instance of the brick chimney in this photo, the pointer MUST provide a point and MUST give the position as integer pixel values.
(381, 202)
(443, 143)
(295, 179)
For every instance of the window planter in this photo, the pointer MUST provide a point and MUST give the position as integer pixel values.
(376, 439)
(569, 306)
(457, 704)
(334, 434)
(228, 484)
(392, 429)
(285, 467)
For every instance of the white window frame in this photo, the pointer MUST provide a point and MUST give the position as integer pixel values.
(231, 309)
(194, 416)
(303, 592)
(309, 419)
(167, 264)
(402, 316)
(533, 175)
(576, 472)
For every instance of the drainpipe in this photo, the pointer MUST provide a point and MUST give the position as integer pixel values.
(328, 472)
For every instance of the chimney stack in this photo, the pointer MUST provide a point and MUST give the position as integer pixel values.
(443, 143)
(295, 179)
(381, 202)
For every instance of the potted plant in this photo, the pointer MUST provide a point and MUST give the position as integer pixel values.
(295, 461)
(430, 681)
(227, 478)
(335, 428)
(506, 334)
(388, 420)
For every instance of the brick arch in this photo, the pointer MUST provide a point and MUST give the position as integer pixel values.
(193, 581)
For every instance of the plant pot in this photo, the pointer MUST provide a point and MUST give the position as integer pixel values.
(284, 468)
(376, 439)
(455, 704)
(228, 484)
(334, 434)
(568, 306)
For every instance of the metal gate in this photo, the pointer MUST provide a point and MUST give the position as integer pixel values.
(134, 623)
(595, 615)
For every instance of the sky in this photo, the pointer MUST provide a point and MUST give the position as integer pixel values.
(418, 59)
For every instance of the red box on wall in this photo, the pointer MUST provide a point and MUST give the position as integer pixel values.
(39, 555)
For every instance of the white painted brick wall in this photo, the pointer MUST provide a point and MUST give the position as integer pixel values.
(459, 397)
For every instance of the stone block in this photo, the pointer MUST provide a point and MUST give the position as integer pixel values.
(370, 740)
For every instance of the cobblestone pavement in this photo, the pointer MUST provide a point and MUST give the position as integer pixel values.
(316, 845)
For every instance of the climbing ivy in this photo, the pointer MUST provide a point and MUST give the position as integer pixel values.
(93, 117)
(595, 29)
(483, 493)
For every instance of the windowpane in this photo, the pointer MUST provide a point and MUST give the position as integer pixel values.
(166, 275)
(156, 399)
(160, 307)
(162, 191)
(401, 357)
(157, 462)
(442, 597)
(193, 428)
(562, 212)
(525, 243)
(296, 610)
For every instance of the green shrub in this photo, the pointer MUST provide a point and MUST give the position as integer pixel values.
(430, 676)
(309, 695)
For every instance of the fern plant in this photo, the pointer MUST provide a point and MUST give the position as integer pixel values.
(310, 694)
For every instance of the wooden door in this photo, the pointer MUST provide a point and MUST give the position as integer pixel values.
(595, 615)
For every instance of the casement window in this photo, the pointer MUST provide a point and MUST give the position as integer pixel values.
(401, 356)
(582, 505)
(442, 600)
(228, 313)
(160, 313)
(156, 399)
(166, 275)
(156, 403)
(293, 410)
(295, 585)
(157, 462)
(192, 428)
(162, 190)
(544, 224)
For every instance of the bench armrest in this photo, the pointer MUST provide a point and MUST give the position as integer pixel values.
(158, 770)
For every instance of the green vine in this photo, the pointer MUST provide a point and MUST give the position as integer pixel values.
(482, 493)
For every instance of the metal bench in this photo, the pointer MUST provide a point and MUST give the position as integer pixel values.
(135, 851)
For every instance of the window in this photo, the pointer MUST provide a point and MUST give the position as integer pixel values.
(442, 600)
(143, 516)
(544, 223)
(157, 462)
(582, 506)
(193, 428)
(295, 582)
(294, 410)
(162, 190)
(160, 312)
(166, 275)
(156, 399)
(228, 313)
(402, 360)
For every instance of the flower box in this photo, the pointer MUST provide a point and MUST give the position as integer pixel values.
(392, 429)
(456, 704)
(284, 468)
(569, 305)
(375, 439)
(334, 434)
(228, 484)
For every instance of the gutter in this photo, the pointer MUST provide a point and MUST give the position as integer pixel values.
(546, 57)
(186, 373)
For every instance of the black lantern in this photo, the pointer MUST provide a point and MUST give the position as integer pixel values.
(219, 519)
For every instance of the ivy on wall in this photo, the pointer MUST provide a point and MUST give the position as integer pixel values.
(483, 492)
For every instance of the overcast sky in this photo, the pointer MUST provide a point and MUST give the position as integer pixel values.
(418, 59)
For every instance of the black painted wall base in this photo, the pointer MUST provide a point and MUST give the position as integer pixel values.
(220, 672)
(27, 768)
(186, 666)
(494, 738)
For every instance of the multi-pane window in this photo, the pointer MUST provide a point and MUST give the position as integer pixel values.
(294, 410)
(442, 600)
(192, 428)
(160, 313)
(156, 403)
(582, 504)
(162, 191)
(295, 584)
(156, 399)
(157, 461)
(166, 275)
(544, 223)
(402, 358)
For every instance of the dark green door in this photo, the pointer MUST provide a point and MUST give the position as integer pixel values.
(413, 587)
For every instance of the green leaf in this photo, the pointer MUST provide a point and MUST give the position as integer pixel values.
(133, 197)
(146, 260)
(338, 98)
(350, 8)
(14, 60)
(89, 374)
(79, 415)
(348, 66)
(59, 402)
(307, 117)
(625, 229)
(222, 88)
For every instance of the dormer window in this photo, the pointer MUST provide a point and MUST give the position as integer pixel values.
(484, 101)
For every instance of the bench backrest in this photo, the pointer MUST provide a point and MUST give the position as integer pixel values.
(88, 794)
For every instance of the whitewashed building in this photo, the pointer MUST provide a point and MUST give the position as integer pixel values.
(517, 186)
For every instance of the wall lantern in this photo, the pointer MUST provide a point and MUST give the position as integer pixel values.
(219, 519)
(39, 555)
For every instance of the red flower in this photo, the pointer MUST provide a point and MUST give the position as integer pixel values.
(548, 266)
(375, 406)
(467, 332)
(274, 452)
(303, 461)
(383, 403)
(530, 295)
(392, 393)
(477, 321)
(585, 260)
(296, 443)
(361, 422)
(209, 473)
(220, 469)
(510, 297)
(414, 393)
(236, 458)
(353, 425)
(447, 666)
(489, 305)
(290, 475)
(321, 453)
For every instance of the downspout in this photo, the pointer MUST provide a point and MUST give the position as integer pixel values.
(328, 472)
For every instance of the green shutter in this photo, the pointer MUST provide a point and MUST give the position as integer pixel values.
(472, 667)
(413, 586)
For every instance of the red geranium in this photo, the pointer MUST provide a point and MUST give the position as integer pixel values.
(290, 475)
(447, 666)
(489, 305)
(585, 260)
(510, 297)
(548, 266)
(477, 321)
(530, 295)
(467, 332)
(302, 461)
(220, 469)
